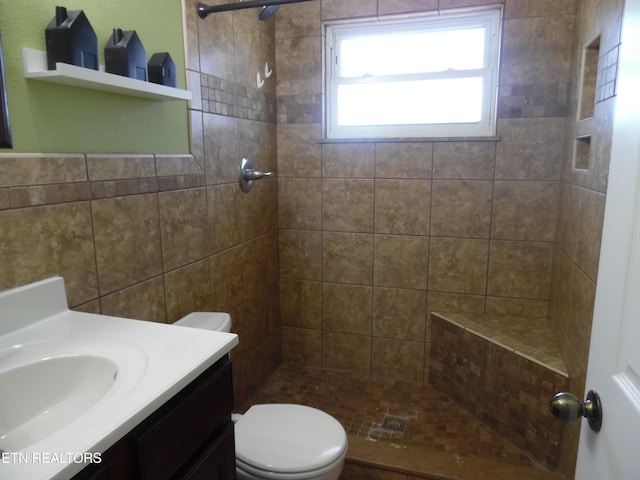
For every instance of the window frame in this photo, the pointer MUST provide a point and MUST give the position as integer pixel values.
(491, 18)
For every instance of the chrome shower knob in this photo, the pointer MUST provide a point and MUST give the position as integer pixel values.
(247, 175)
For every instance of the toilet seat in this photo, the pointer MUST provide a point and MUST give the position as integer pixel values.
(288, 440)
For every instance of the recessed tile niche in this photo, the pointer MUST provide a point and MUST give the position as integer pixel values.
(586, 105)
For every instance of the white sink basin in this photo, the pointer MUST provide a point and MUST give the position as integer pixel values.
(47, 385)
(73, 383)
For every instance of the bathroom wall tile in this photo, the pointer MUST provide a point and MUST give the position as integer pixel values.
(92, 306)
(344, 351)
(188, 289)
(258, 367)
(583, 292)
(223, 206)
(299, 65)
(183, 226)
(538, 8)
(560, 295)
(127, 240)
(41, 242)
(299, 20)
(347, 205)
(144, 301)
(346, 308)
(273, 260)
(517, 307)
(275, 319)
(600, 147)
(168, 165)
(32, 196)
(222, 159)
(195, 87)
(388, 7)
(301, 303)
(113, 167)
(534, 100)
(602, 18)
(568, 223)
(464, 160)
(300, 108)
(403, 160)
(300, 203)
(256, 320)
(227, 279)
(254, 265)
(255, 217)
(399, 313)
(402, 206)
(530, 149)
(525, 210)
(401, 261)
(191, 21)
(216, 46)
(443, 302)
(30, 169)
(590, 219)
(347, 258)
(335, 9)
(520, 269)
(299, 153)
(534, 50)
(257, 141)
(196, 136)
(300, 254)
(458, 265)
(249, 56)
(397, 359)
(301, 346)
(461, 208)
(348, 160)
(445, 4)
(5, 204)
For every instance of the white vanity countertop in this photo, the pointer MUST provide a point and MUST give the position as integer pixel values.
(164, 359)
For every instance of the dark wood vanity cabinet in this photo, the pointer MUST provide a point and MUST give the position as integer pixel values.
(190, 437)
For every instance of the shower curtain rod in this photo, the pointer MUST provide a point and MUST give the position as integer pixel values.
(204, 10)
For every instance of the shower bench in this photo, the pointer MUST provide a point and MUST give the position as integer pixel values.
(504, 370)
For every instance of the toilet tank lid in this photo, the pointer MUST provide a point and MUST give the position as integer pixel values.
(288, 438)
(216, 321)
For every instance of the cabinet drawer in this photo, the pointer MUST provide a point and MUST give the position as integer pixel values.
(185, 425)
(219, 460)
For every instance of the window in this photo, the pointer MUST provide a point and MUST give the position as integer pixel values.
(432, 76)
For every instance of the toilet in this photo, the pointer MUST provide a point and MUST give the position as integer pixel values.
(280, 441)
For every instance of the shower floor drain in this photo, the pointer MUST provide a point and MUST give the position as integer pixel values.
(393, 423)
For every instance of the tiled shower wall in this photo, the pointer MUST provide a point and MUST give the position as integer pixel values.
(231, 118)
(577, 246)
(374, 235)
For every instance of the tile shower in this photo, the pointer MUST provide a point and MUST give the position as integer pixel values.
(337, 262)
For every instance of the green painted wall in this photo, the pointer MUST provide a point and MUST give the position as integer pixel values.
(52, 118)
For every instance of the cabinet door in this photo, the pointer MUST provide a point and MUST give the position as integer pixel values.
(171, 442)
(218, 462)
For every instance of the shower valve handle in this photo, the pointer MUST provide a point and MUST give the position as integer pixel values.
(251, 174)
(247, 174)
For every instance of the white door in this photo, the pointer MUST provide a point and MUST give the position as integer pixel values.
(614, 358)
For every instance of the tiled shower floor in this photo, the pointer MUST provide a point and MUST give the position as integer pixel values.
(401, 427)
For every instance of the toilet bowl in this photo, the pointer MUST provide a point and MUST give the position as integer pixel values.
(281, 441)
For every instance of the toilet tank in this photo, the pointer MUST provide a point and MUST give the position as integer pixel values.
(216, 321)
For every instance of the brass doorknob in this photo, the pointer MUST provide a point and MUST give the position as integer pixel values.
(568, 408)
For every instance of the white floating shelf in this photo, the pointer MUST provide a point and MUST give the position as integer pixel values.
(35, 67)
